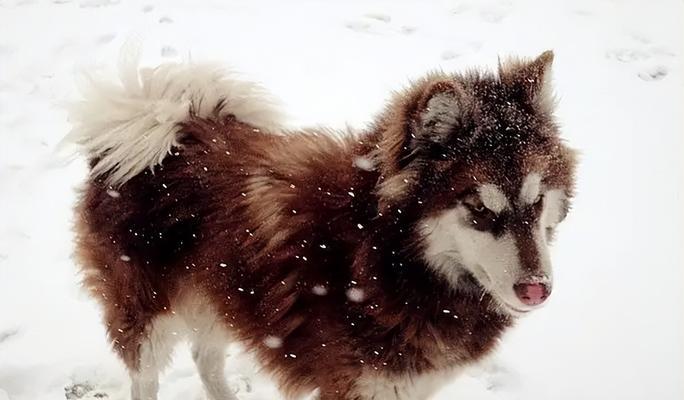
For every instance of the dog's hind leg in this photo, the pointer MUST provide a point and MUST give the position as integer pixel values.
(209, 353)
(210, 360)
(154, 351)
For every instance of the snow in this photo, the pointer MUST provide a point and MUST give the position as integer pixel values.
(355, 295)
(273, 342)
(614, 327)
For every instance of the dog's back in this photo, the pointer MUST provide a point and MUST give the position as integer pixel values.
(206, 246)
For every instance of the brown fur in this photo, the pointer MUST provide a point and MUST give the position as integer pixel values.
(254, 221)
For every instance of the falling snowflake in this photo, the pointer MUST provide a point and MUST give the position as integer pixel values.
(356, 295)
(364, 163)
(319, 290)
(273, 342)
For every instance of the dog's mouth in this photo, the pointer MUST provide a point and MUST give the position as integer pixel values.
(479, 281)
(513, 310)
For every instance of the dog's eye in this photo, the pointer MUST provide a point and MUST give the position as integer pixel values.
(481, 217)
(480, 212)
(538, 201)
(475, 205)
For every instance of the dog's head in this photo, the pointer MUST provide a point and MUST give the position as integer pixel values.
(478, 160)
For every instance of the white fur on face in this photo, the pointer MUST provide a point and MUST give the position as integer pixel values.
(493, 198)
(452, 245)
(451, 242)
(553, 208)
(531, 188)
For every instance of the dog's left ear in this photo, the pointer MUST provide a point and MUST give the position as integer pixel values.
(531, 78)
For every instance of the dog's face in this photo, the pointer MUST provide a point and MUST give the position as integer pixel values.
(482, 159)
(500, 237)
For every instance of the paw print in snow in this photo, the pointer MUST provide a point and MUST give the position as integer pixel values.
(627, 55)
(649, 61)
(376, 23)
(168, 51)
(104, 39)
(449, 55)
(654, 73)
(379, 17)
(495, 12)
(98, 3)
(78, 391)
(496, 377)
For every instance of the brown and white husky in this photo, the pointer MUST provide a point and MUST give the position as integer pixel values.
(370, 265)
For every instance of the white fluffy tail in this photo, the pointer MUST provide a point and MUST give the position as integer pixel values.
(131, 125)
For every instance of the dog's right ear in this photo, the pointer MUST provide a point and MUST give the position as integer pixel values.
(531, 78)
(419, 125)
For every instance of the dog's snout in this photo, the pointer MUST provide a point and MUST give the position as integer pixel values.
(532, 294)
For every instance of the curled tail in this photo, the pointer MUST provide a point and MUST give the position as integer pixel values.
(130, 125)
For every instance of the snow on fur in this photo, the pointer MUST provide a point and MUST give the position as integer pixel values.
(132, 124)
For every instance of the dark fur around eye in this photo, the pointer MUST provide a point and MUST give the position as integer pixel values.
(481, 218)
(538, 205)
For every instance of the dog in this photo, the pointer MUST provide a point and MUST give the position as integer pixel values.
(366, 265)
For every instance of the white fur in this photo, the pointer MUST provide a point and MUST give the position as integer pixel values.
(208, 352)
(132, 124)
(373, 385)
(494, 262)
(453, 245)
(493, 197)
(155, 355)
(531, 187)
(553, 206)
(193, 320)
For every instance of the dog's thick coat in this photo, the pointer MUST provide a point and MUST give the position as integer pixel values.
(323, 254)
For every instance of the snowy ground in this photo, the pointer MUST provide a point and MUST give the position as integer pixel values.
(614, 328)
